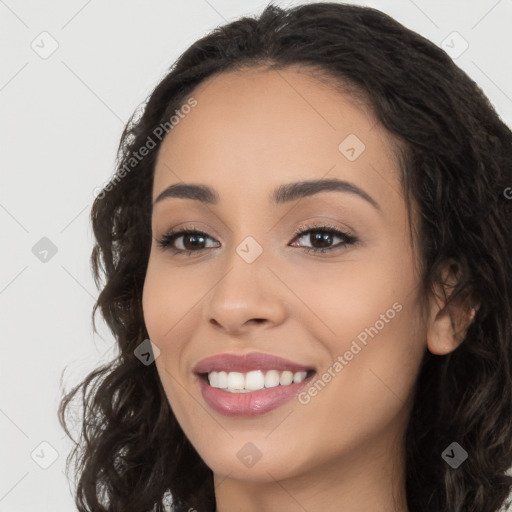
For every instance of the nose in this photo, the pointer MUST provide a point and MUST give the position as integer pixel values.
(247, 296)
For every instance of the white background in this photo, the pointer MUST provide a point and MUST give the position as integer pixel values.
(61, 119)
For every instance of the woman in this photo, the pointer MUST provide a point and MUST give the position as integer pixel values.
(310, 222)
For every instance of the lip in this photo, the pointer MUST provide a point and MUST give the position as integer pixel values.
(255, 402)
(246, 363)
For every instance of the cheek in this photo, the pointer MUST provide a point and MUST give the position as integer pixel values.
(154, 304)
(340, 300)
(369, 313)
(167, 300)
(168, 318)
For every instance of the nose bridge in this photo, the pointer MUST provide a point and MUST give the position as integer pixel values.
(243, 269)
(248, 236)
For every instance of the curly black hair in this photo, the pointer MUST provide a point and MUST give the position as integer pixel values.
(456, 164)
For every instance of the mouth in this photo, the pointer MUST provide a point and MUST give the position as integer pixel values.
(250, 384)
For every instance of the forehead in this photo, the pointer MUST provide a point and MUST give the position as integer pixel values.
(258, 129)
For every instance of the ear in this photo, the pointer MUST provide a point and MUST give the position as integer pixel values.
(448, 323)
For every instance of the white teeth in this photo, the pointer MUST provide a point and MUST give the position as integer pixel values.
(222, 380)
(286, 378)
(237, 382)
(213, 379)
(272, 379)
(254, 380)
(299, 376)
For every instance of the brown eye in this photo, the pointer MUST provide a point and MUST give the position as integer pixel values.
(322, 237)
(186, 241)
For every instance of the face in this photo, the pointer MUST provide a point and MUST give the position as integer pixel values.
(336, 309)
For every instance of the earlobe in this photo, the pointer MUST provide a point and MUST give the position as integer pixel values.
(441, 336)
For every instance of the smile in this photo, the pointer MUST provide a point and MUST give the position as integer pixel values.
(249, 384)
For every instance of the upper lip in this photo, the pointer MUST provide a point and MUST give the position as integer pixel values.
(247, 362)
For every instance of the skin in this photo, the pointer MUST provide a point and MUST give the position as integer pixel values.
(250, 132)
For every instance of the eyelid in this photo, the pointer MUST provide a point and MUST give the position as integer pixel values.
(325, 225)
(193, 225)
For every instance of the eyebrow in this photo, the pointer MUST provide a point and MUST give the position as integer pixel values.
(282, 194)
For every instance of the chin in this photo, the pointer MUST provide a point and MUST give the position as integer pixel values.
(257, 460)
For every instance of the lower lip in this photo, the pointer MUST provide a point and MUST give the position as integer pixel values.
(249, 404)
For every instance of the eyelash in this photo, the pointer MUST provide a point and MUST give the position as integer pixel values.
(167, 239)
